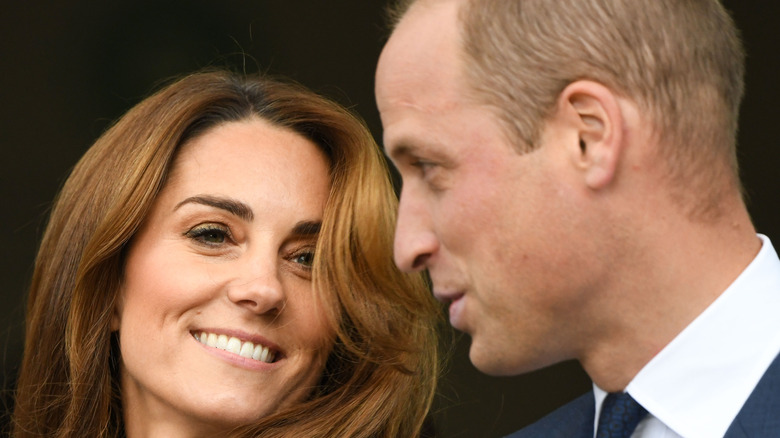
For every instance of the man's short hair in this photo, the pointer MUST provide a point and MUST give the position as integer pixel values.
(681, 61)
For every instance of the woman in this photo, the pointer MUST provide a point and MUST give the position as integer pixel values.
(219, 262)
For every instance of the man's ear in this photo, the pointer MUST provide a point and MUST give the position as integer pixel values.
(593, 111)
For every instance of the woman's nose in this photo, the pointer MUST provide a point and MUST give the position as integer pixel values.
(258, 287)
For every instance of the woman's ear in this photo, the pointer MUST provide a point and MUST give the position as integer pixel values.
(116, 312)
(595, 115)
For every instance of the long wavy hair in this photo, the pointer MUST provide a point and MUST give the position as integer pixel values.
(379, 379)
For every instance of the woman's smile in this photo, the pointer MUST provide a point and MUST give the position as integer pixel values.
(232, 344)
(224, 261)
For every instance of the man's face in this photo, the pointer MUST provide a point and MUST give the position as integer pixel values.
(496, 229)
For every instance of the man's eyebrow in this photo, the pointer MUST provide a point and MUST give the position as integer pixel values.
(403, 150)
(307, 228)
(232, 206)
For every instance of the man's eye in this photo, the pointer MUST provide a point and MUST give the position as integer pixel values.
(423, 166)
(420, 164)
(209, 234)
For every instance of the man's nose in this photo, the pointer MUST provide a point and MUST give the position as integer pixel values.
(415, 241)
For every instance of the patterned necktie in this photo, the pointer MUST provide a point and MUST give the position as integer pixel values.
(619, 416)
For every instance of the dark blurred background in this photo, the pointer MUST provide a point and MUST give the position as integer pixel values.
(70, 68)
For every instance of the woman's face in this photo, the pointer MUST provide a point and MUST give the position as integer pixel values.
(218, 323)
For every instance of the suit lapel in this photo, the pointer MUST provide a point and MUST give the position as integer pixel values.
(758, 418)
(760, 415)
(573, 420)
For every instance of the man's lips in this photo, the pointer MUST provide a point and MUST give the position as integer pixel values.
(447, 296)
(456, 303)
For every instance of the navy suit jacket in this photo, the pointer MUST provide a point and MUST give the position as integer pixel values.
(758, 418)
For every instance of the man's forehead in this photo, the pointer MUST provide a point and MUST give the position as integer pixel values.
(420, 62)
(427, 29)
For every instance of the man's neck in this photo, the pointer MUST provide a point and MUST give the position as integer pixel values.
(676, 271)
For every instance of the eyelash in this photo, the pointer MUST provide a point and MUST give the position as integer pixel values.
(427, 169)
(201, 232)
(429, 173)
(305, 252)
(422, 165)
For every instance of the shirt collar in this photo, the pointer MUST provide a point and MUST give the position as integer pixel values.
(698, 383)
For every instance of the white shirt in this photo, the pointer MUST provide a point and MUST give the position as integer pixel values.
(696, 385)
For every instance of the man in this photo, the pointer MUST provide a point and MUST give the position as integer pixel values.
(570, 183)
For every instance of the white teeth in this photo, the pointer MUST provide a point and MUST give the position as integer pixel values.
(266, 356)
(263, 354)
(246, 349)
(257, 351)
(233, 345)
(236, 346)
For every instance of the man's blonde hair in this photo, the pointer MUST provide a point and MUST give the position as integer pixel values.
(681, 61)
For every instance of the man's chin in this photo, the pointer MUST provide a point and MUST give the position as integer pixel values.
(498, 363)
(489, 362)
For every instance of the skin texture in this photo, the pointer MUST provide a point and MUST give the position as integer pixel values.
(573, 251)
(462, 179)
(195, 266)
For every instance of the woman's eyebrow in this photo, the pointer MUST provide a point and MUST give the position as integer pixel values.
(232, 206)
(307, 228)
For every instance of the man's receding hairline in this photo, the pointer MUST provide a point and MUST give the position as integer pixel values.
(398, 10)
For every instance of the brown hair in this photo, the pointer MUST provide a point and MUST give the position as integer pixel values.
(379, 379)
(681, 61)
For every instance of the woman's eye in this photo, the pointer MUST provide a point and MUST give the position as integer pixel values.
(209, 234)
(305, 258)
